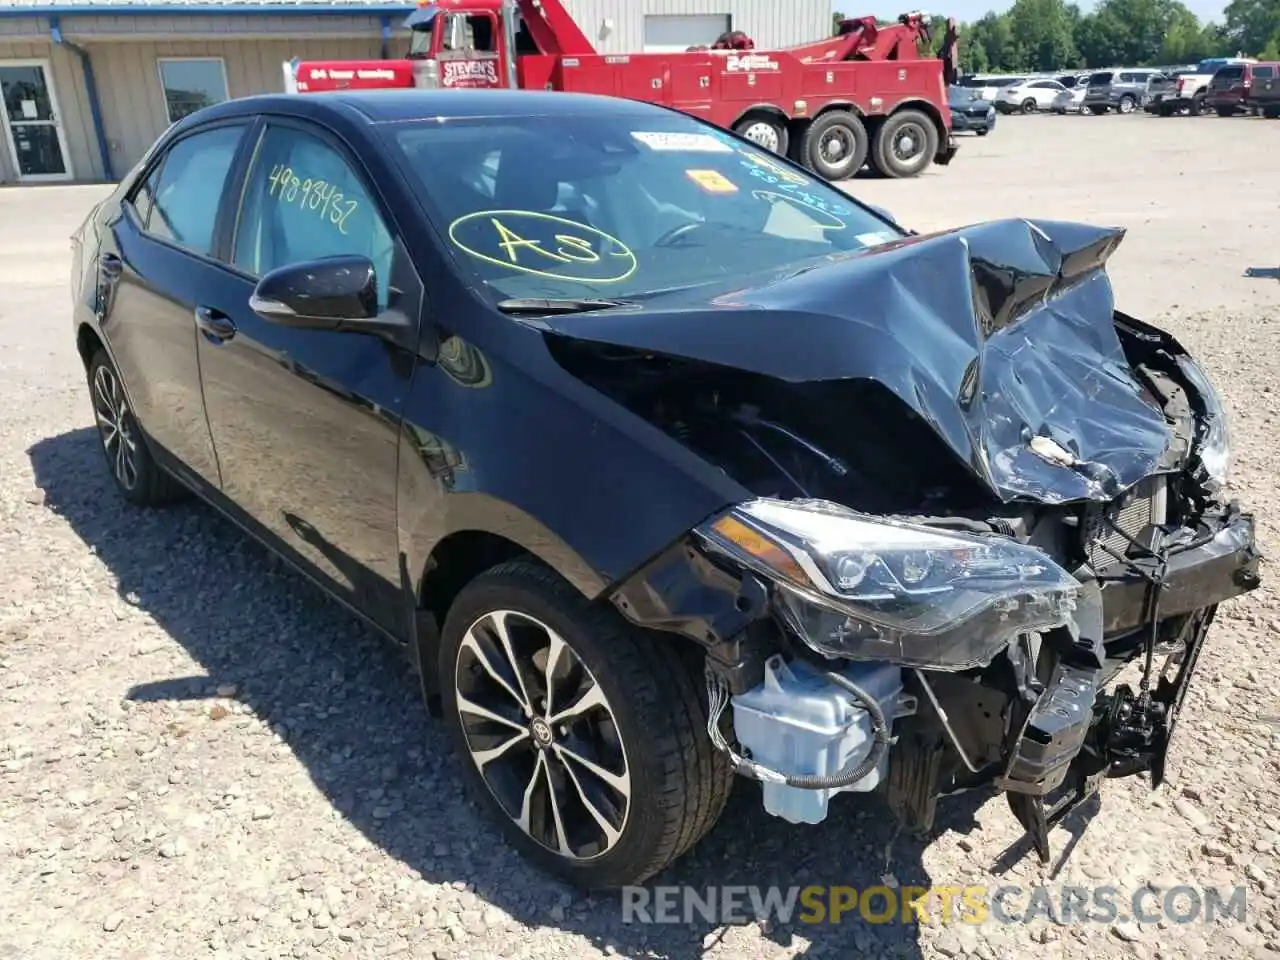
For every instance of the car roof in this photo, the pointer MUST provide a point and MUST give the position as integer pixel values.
(388, 106)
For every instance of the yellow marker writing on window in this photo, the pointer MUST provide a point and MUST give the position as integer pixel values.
(313, 195)
(712, 181)
(543, 245)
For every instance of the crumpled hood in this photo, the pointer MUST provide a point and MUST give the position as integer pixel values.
(999, 335)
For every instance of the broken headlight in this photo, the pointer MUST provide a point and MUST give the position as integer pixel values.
(1213, 441)
(868, 588)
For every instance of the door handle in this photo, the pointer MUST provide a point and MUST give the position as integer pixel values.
(215, 324)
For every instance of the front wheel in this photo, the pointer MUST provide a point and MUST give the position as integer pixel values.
(583, 734)
(835, 145)
(764, 131)
(984, 131)
(1028, 106)
(1127, 104)
(1198, 107)
(905, 144)
(1224, 111)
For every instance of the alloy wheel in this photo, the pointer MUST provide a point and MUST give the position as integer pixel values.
(542, 734)
(115, 426)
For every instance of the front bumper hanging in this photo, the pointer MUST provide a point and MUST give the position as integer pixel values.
(1074, 735)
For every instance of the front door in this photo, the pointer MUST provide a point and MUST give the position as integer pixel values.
(306, 423)
(33, 126)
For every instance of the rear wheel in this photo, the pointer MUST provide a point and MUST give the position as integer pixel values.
(1028, 105)
(583, 734)
(1097, 111)
(835, 145)
(1198, 107)
(905, 144)
(136, 474)
(1224, 111)
(1127, 104)
(765, 131)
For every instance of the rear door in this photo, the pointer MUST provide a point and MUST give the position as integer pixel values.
(306, 422)
(157, 266)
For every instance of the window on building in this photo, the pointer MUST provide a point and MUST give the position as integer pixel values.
(303, 201)
(184, 208)
(191, 83)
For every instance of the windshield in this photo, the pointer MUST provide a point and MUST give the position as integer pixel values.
(622, 205)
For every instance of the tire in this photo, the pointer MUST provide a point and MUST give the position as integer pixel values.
(835, 145)
(1224, 111)
(983, 132)
(764, 131)
(1198, 107)
(1027, 106)
(1164, 111)
(905, 124)
(1126, 104)
(647, 732)
(134, 471)
(1098, 111)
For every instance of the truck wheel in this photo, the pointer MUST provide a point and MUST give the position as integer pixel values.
(835, 145)
(905, 144)
(764, 131)
(584, 735)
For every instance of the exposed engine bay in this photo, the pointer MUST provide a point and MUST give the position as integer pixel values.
(929, 596)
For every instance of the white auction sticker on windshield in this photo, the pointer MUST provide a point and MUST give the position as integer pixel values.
(875, 239)
(682, 142)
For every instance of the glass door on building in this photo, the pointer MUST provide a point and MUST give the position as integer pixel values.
(31, 121)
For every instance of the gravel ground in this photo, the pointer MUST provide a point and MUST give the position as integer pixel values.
(199, 755)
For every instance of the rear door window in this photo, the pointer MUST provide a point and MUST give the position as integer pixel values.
(1264, 73)
(188, 190)
(1099, 79)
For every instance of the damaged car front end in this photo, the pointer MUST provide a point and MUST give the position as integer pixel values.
(980, 493)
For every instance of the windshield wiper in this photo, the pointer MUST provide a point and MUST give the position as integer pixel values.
(547, 307)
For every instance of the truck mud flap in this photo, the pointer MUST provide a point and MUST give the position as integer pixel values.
(947, 152)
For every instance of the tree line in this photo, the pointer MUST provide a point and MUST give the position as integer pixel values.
(1051, 35)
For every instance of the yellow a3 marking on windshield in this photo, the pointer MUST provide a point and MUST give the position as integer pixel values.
(543, 245)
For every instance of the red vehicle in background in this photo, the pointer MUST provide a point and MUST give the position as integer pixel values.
(866, 94)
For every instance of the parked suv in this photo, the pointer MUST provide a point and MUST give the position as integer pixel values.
(1121, 90)
(1265, 92)
(1028, 96)
(1231, 89)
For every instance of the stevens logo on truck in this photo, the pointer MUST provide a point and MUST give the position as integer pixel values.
(469, 73)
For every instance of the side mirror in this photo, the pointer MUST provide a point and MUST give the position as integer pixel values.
(327, 294)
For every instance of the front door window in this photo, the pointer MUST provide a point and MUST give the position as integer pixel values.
(31, 119)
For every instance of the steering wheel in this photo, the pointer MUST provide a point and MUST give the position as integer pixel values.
(675, 233)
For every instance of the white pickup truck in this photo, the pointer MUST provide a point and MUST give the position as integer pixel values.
(1185, 93)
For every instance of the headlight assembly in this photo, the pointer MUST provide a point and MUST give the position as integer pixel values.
(1213, 440)
(867, 588)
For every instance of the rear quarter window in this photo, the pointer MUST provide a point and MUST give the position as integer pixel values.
(1264, 73)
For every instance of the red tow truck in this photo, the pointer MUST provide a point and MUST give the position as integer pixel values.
(866, 94)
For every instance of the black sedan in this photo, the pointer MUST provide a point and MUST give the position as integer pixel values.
(969, 112)
(666, 461)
